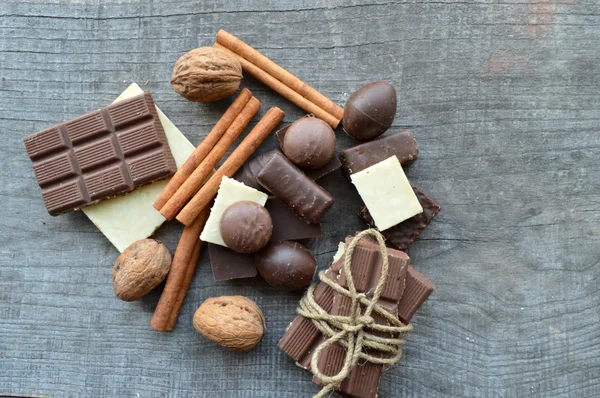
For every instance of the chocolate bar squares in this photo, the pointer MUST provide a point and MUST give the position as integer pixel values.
(99, 155)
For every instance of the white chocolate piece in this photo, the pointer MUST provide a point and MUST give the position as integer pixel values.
(340, 252)
(131, 217)
(230, 192)
(387, 193)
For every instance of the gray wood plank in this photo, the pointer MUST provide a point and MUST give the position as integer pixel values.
(503, 97)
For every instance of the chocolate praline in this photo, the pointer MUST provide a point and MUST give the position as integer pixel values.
(309, 143)
(246, 227)
(286, 265)
(370, 111)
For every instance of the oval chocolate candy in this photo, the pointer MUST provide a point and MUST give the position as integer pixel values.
(370, 111)
(286, 265)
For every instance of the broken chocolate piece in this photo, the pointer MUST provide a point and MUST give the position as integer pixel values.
(417, 290)
(401, 144)
(227, 264)
(301, 194)
(287, 225)
(403, 234)
(99, 155)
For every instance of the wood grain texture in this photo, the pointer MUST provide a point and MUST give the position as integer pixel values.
(503, 97)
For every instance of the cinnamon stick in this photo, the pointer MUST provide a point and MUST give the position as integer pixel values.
(244, 50)
(185, 285)
(195, 180)
(203, 149)
(282, 89)
(237, 158)
(170, 302)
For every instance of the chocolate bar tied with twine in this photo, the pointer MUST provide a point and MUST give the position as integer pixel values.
(367, 331)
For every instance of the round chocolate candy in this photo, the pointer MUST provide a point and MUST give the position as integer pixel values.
(246, 227)
(370, 111)
(286, 265)
(309, 143)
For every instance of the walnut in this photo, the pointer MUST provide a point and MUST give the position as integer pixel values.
(206, 74)
(233, 322)
(140, 268)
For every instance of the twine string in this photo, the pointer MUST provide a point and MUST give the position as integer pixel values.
(349, 331)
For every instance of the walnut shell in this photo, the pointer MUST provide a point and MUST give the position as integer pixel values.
(233, 322)
(206, 74)
(140, 268)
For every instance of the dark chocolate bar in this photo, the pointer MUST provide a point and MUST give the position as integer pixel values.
(247, 174)
(403, 234)
(227, 264)
(321, 172)
(99, 155)
(401, 144)
(301, 194)
(287, 225)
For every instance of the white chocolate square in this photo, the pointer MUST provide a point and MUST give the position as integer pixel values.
(230, 192)
(387, 193)
(131, 217)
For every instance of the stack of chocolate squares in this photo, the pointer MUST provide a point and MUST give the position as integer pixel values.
(403, 293)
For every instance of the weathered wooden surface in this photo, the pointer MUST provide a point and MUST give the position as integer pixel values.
(504, 100)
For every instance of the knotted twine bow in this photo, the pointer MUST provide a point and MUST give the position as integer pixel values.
(349, 331)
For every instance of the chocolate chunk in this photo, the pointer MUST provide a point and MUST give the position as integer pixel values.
(246, 227)
(370, 111)
(99, 155)
(286, 265)
(309, 143)
(321, 172)
(405, 233)
(227, 264)
(301, 194)
(417, 290)
(333, 165)
(401, 144)
(287, 225)
(247, 174)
